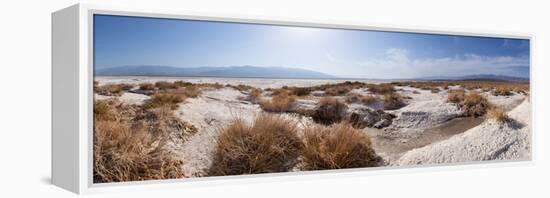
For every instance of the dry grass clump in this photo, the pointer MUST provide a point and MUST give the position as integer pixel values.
(242, 87)
(475, 105)
(181, 83)
(210, 85)
(113, 89)
(125, 153)
(147, 86)
(353, 98)
(161, 100)
(337, 146)
(270, 144)
(279, 103)
(337, 90)
(382, 89)
(130, 149)
(329, 110)
(300, 91)
(456, 96)
(502, 91)
(369, 99)
(164, 85)
(393, 101)
(192, 91)
(499, 114)
(103, 111)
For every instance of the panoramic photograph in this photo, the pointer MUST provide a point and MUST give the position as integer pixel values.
(176, 99)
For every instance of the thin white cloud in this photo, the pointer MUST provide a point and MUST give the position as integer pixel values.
(399, 64)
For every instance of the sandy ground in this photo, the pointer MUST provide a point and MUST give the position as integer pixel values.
(427, 130)
(489, 141)
(255, 82)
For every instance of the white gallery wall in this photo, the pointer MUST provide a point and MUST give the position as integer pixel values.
(25, 104)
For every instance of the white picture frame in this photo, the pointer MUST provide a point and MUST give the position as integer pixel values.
(72, 99)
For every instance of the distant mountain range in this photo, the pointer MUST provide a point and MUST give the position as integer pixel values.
(263, 72)
(234, 71)
(478, 77)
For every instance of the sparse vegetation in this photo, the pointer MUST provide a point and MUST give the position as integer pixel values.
(160, 100)
(337, 146)
(381, 89)
(353, 98)
(146, 86)
(369, 99)
(502, 91)
(498, 113)
(112, 89)
(337, 90)
(393, 101)
(456, 96)
(475, 105)
(270, 144)
(329, 110)
(164, 85)
(127, 148)
(278, 103)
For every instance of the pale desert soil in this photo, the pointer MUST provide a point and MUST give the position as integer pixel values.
(427, 130)
(489, 141)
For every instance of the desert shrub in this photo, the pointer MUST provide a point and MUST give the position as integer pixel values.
(367, 100)
(353, 97)
(192, 91)
(300, 91)
(164, 85)
(382, 89)
(161, 100)
(498, 113)
(112, 89)
(475, 105)
(147, 86)
(270, 144)
(181, 83)
(211, 85)
(242, 87)
(456, 96)
(435, 90)
(502, 91)
(124, 153)
(337, 146)
(393, 101)
(329, 110)
(337, 90)
(278, 103)
(103, 110)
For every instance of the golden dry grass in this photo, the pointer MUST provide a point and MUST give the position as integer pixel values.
(270, 144)
(353, 98)
(112, 89)
(337, 146)
(164, 85)
(161, 100)
(329, 110)
(456, 96)
(475, 105)
(128, 148)
(499, 114)
(147, 86)
(282, 102)
(393, 101)
(337, 90)
(381, 89)
(369, 99)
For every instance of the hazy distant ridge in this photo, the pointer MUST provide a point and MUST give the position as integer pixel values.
(235, 71)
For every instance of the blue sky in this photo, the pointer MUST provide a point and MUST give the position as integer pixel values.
(122, 41)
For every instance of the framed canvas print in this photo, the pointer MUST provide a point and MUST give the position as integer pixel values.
(173, 99)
